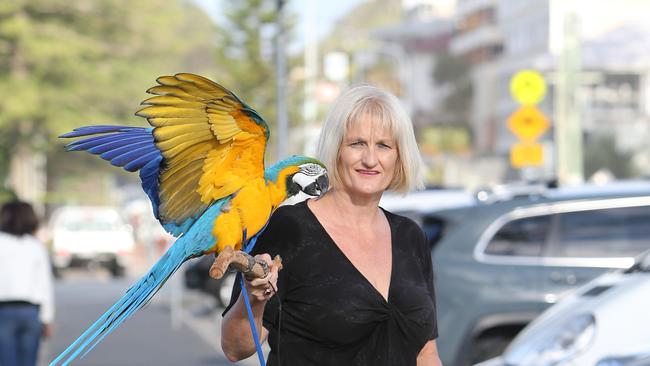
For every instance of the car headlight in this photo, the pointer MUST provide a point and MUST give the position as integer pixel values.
(556, 345)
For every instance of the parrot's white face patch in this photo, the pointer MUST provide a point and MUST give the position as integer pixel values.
(304, 180)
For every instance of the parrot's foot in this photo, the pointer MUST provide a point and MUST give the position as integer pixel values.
(240, 262)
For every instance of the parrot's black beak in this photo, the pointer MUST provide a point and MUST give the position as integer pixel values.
(318, 187)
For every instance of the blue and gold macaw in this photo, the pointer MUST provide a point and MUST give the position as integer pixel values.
(202, 166)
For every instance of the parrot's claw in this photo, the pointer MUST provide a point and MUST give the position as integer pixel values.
(229, 259)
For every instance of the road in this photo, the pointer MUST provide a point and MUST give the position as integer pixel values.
(148, 337)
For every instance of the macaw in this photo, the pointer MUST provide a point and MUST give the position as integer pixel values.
(202, 166)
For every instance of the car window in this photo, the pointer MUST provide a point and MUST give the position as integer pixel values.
(520, 237)
(615, 232)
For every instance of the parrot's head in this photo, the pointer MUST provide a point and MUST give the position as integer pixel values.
(303, 176)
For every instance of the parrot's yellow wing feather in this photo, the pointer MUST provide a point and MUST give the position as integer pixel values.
(211, 142)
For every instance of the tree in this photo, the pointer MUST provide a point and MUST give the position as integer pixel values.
(244, 53)
(65, 63)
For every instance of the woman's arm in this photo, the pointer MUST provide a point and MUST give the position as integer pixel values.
(428, 356)
(236, 339)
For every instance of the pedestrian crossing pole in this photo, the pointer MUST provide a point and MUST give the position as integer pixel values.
(568, 129)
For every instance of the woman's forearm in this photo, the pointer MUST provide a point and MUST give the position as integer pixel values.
(236, 337)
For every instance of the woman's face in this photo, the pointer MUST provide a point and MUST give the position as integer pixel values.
(367, 158)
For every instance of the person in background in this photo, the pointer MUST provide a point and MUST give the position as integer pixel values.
(26, 289)
(356, 286)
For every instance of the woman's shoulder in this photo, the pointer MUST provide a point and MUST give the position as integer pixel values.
(407, 232)
(287, 215)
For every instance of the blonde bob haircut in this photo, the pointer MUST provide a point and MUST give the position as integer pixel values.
(385, 108)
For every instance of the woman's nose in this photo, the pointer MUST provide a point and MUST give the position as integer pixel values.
(370, 157)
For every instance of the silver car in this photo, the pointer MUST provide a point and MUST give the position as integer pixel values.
(498, 265)
(604, 323)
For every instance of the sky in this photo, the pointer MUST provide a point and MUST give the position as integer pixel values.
(326, 12)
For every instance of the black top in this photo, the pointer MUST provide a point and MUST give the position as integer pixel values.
(331, 314)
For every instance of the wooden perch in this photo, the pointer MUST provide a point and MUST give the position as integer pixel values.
(242, 262)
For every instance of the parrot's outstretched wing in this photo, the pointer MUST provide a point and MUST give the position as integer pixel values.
(204, 145)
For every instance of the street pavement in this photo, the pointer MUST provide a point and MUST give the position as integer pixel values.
(178, 327)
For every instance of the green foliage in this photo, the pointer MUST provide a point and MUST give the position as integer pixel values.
(351, 33)
(67, 63)
(245, 57)
(244, 54)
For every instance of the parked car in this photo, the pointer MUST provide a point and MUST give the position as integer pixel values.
(499, 264)
(82, 235)
(414, 204)
(604, 323)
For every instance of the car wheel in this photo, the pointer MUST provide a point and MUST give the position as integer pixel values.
(225, 289)
(116, 269)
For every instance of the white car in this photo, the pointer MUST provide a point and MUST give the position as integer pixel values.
(82, 235)
(604, 323)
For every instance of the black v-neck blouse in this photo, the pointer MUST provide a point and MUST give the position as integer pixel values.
(331, 314)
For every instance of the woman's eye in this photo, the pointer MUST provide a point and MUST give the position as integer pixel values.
(384, 146)
(357, 143)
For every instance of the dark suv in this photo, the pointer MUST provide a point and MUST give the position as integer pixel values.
(498, 265)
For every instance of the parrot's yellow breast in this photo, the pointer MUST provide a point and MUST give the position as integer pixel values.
(249, 210)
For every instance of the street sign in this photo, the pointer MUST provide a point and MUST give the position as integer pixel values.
(528, 87)
(528, 123)
(526, 154)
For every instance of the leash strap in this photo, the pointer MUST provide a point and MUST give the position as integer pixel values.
(251, 320)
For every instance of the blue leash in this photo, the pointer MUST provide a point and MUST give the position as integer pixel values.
(251, 320)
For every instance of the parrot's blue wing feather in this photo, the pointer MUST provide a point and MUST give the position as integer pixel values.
(111, 141)
(132, 148)
(194, 243)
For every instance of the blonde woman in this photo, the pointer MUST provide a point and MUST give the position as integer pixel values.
(357, 283)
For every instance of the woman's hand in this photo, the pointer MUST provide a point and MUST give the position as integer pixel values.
(263, 289)
(47, 330)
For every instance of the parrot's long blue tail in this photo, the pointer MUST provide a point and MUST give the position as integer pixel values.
(135, 298)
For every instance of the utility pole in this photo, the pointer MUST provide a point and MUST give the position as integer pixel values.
(568, 129)
(281, 83)
(310, 106)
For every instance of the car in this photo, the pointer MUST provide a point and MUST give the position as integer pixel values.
(414, 204)
(89, 235)
(500, 262)
(604, 323)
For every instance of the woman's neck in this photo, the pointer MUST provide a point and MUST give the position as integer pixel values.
(350, 210)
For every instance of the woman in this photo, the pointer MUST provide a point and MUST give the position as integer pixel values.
(356, 285)
(26, 293)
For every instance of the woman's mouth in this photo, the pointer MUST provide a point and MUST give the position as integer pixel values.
(367, 172)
